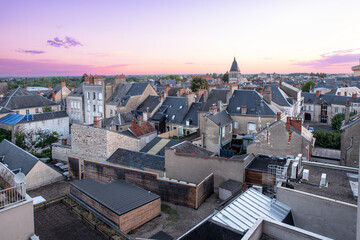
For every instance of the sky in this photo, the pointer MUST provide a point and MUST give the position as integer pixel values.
(66, 38)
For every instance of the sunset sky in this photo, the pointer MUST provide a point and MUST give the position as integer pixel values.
(50, 38)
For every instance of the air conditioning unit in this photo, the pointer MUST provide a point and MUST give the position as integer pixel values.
(305, 174)
(294, 170)
(323, 179)
(258, 188)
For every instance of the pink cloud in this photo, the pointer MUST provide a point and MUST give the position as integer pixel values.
(15, 67)
(333, 59)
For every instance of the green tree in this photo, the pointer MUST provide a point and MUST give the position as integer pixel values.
(5, 134)
(225, 77)
(336, 121)
(197, 83)
(327, 139)
(306, 87)
(46, 108)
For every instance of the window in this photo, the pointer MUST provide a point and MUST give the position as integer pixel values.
(173, 117)
(336, 110)
(187, 122)
(251, 127)
(100, 96)
(309, 108)
(100, 108)
(27, 112)
(223, 131)
(236, 124)
(180, 107)
(147, 139)
(304, 108)
(230, 128)
(88, 95)
(36, 110)
(94, 108)
(238, 109)
(72, 104)
(111, 111)
(78, 105)
(88, 108)
(94, 95)
(343, 110)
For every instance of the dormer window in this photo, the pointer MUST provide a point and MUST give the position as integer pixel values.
(180, 107)
(238, 109)
(173, 117)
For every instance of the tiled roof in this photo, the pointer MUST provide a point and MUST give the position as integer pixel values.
(119, 119)
(278, 96)
(144, 129)
(188, 147)
(20, 99)
(255, 104)
(139, 160)
(119, 196)
(352, 121)
(46, 116)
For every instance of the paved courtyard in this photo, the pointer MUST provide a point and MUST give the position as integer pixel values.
(57, 222)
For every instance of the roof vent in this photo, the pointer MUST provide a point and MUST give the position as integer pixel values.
(323, 179)
(305, 175)
(2, 158)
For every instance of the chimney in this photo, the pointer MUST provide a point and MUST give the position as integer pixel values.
(278, 115)
(206, 95)
(50, 87)
(339, 93)
(345, 93)
(64, 141)
(243, 109)
(146, 115)
(318, 93)
(267, 95)
(347, 110)
(63, 84)
(219, 105)
(96, 122)
(133, 122)
(190, 98)
(39, 92)
(53, 95)
(295, 123)
(213, 109)
(288, 123)
(233, 87)
(354, 95)
(280, 83)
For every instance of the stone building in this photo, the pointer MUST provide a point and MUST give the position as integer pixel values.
(23, 102)
(58, 94)
(234, 74)
(284, 137)
(350, 140)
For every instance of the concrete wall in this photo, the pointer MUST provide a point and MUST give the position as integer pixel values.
(274, 141)
(59, 125)
(350, 158)
(60, 152)
(17, 221)
(41, 175)
(93, 143)
(320, 215)
(194, 168)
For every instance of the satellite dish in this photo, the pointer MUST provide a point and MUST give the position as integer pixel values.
(19, 178)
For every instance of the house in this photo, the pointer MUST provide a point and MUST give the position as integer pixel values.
(58, 94)
(49, 122)
(286, 136)
(321, 108)
(17, 208)
(23, 102)
(123, 203)
(216, 129)
(350, 140)
(323, 199)
(127, 97)
(36, 173)
(149, 106)
(190, 162)
(145, 132)
(119, 122)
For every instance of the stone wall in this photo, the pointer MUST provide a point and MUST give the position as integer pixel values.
(60, 152)
(350, 158)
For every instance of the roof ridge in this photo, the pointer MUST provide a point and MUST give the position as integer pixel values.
(11, 96)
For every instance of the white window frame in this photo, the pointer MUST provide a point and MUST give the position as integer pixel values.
(236, 124)
(230, 128)
(223, 132)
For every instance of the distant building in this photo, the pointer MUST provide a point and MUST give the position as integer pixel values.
(356, 70)
(234, 73)
(58, 94)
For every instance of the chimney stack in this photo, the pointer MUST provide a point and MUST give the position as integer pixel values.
(318, 93)
(190, 98)
(243, 109)
(133, 122)
(206, 95)
(219, 105)
(267, 95)
(295, 123)
(347, 110)
(354, 95)
(64, 141)
(339, 93)
(63, 84)
(213, 109)
(96, 122)
(53, 95)
(39, 92)
(278, 115)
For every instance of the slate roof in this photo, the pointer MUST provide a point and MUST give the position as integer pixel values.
(188, 147)
(119, 196)
(160, 147)
(119, 119)
(20, 99)
(310, 98)
(278, 96)
(5, 110)
(214, 96)
(255, 104)
(192, 114)
(48, 94)
(139, 160)
(150, 102)
(16, 157)
(234, 66)
(174, 108)
(78, 91)
(221, 118)
(142, 130)
(124, 91)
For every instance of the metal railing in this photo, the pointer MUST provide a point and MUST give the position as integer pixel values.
(12, 195)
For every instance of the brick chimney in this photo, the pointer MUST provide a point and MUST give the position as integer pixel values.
(345, 93)
(280, 82)
(50, 87)
(339, 93)
(267, 95)
(63, 84)
(243, 109)
(39, 92)
(64, 141)
(318, 93)
(96, 122)
(295, 123)
(354, 95)
(213, 109)
(190, 98)
(53, 95)
(278, 115)
(347, 110)
(133, 122)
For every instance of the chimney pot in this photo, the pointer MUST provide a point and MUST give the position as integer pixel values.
(354, 95)
(64, 141)
(318, 93)
(243, 109)
(278, 115)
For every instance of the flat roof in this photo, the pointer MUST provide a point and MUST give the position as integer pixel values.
(261, 162)
(338, 185)
(119, 196)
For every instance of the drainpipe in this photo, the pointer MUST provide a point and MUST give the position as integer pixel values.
(347, 149)
(220, 140)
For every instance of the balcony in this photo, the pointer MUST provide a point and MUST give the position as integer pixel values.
(12, 195)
